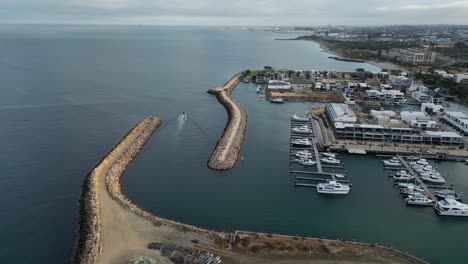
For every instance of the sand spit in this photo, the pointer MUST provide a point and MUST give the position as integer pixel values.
(227, 149)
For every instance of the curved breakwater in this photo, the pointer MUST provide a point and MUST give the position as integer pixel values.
(227, 149)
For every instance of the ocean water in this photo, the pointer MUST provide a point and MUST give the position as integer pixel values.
(70, 93)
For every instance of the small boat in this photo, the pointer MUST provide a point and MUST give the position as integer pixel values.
(394, 162)
(333, 187)
(305, 154)
(259, 87)
(402, 173)
(328, 154)
(302, 130)
(300, 119)
(308, 162)
(304, 142)
(433, 178)
(403, 177)
(297, 160)
(277, 101)
(330, 160)
(412, 158)
(451, 207)
(420, 162)
(419, 199)
(340, 176)
(408, 185)
(442, 194)
(411, 191)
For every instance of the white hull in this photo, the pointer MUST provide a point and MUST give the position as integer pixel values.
(332, 191)
(411, 202)
(330, 161)
(452, 213)
(392, 164)
(301, 131)
(327, 154)
(300, 119)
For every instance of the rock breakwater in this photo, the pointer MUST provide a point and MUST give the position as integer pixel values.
(226, 152)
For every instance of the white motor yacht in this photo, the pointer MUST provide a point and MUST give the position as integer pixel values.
(300, 119)
(419, 199)
(412, 158)
(277, 101)
(328, 154)
(433, 178)
(394, 162)
(420, 162)
(330, 160)
(340, 176)
(308, 162)
(451, 207)
(259, 87)
(403, 177)
(305, 154)
(302, 142)
(302, 130)
(333, 187)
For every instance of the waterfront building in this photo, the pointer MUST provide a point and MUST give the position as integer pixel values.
(277, 85)
(401, 81)
(423, 124)
(367, 132)
(420, 97)
(418, 86)
(340, 113)
(457, 120)
(432, 109)
(414, 56)
(408, 116)
(394, 96)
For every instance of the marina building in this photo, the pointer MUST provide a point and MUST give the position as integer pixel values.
(415, 56)
(278, 85)
(340, 113)
(408, 116)
(420, 97)
(365, 132)
(432, 109)
(457, 120)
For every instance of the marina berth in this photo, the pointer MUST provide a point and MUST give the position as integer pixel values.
(328, 154)
(302, 130)
(333, 187)
(419, 199)
(304, 142)
(443, 194)
(433, 178)
(394, 162)
(305, 154)
(277, 101)
(451, 207)
(300, 119)
(403, 177)
(330, 160)
(308, 162)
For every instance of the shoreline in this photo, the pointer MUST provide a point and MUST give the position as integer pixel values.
(227, 149)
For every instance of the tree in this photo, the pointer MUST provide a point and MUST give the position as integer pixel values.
(268, 68)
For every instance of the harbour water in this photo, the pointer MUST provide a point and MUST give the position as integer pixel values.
(69, 94)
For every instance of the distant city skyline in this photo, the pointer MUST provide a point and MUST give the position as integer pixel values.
(235, 13)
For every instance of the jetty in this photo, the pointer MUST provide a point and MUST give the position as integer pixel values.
(319, 173)
(418, 179)
(226, 152)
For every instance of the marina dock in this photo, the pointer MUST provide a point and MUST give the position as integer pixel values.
(306, 177)
(418, 179)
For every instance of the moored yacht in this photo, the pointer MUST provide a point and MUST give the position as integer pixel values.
(277, 101)
(442, 194)
(328, 154)
(433, 178)
(302, 130)
(420, 162)
(394, 162)
(403, 177)
(451, 207)
(330, 160)
(300, 119)
(308, 162)
(412, 158)
(333, 187)
(305, 142)
(259, 87)
(419, 199)
(305, 154)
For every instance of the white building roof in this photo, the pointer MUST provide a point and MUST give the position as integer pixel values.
(342, 112)
(441, 134)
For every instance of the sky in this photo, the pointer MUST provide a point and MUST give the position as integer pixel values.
(235, 12)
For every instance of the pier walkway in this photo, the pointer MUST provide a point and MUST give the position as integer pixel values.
(418, 179)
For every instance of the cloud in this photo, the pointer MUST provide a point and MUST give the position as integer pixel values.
(235, 12)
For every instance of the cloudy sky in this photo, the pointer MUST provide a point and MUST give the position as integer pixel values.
(236, 12)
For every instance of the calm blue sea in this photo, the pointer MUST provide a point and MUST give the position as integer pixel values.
(69, 94)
